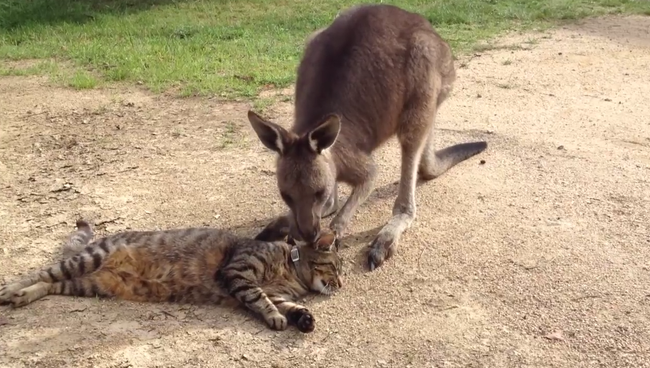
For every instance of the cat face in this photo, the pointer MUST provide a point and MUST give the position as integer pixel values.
(326, 275)
(325, 265)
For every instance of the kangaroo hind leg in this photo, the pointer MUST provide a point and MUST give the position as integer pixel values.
(412, 139)
(424, 82)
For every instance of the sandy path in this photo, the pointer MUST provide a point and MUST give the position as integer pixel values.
(538, 258)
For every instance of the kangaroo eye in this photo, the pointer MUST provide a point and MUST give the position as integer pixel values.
(320, 195)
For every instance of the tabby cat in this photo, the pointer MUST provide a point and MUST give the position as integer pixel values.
(194, 265)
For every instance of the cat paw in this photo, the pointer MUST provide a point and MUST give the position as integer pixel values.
(20, 299)
(7, 292)
(381, 249)
(277, 322)
(306, 323)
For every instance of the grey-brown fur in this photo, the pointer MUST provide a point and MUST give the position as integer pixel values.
(192, 265)
(375, 72)
(78, 240)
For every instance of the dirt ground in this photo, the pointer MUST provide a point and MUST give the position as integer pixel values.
(537, 258)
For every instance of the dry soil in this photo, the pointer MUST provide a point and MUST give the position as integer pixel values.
(537, 257)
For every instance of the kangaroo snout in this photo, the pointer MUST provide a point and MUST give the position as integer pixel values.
(308, 228)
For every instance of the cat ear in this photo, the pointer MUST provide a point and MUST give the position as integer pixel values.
(326, 242)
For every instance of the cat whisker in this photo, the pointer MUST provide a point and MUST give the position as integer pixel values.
(325, 290)
(328, 289)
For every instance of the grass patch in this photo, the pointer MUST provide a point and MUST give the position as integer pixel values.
(261, 104)
(230, 136)
(492, 47)
(82, 80)
(28, 67)
(233, 48)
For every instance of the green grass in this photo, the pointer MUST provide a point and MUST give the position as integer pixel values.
(30, 67)
(82, 80)
(231, 48)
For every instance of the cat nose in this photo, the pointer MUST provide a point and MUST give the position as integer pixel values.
(339, 281)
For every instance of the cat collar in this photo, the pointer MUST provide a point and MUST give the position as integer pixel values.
(295, 254)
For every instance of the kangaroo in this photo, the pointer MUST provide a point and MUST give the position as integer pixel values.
(375, 72)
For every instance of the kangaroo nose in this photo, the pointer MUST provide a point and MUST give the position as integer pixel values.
(312, 234)
(310, 237)
(316, 230)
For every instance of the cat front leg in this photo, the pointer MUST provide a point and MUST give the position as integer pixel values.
(7, 292)
(240, 285)
(297, 315)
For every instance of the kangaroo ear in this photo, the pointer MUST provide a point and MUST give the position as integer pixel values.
(272, 135)
(325, 134)
(326, 242)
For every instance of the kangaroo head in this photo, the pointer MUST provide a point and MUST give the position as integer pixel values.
(305, 172)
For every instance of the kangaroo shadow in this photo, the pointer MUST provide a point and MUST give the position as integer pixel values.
(390, 191)
(267, 229)
(628, 31)
(275, 227)
(270, 223)
(251, 229)
(360, 242)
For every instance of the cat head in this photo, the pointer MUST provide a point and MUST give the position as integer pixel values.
(320, 264)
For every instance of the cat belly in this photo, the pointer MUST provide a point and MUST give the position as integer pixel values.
(138, 275)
